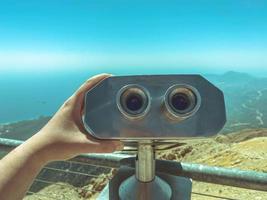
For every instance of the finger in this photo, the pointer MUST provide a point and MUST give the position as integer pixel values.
(109, 147)
(91, 83)
(77, 99)
(105, 146)
(78, 96)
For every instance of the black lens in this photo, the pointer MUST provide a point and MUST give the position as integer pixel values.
(134, 102)
(180, 101)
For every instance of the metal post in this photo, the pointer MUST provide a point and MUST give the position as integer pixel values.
(145, 185)
(145, 162)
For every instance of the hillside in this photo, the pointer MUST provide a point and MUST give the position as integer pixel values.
(245, 149)
(22, 130)
(245, 98)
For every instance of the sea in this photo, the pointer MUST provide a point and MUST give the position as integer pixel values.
(30, 94)
(27, 95)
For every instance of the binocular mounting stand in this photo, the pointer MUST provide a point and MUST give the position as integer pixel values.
(138, 179)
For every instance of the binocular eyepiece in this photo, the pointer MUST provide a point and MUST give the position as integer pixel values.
(179, 101)
(133, 101)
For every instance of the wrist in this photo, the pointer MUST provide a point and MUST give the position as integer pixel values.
(34, 151)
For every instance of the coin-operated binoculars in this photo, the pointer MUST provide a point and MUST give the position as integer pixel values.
(148, 111)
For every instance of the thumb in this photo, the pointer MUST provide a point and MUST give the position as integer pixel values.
(105, 146)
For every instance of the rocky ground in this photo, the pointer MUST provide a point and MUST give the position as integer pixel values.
(245, 149)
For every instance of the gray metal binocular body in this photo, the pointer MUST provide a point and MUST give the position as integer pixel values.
(146, 110)
(154, 107)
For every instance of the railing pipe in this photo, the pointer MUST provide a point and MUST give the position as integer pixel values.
(218, 175)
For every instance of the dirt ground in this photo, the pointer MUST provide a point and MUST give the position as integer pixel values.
(244, 150)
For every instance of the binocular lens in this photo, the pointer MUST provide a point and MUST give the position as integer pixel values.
(133, 101)
(180, 101)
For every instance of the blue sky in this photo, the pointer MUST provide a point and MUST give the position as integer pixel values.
(206, 36)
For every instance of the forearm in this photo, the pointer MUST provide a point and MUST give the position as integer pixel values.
(18, 170)
(62, 138)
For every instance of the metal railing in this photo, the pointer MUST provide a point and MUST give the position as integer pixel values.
(216, 175)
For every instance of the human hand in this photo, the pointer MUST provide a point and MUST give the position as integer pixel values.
(64, 136)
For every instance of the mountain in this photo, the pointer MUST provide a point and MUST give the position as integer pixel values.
(245, 97)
